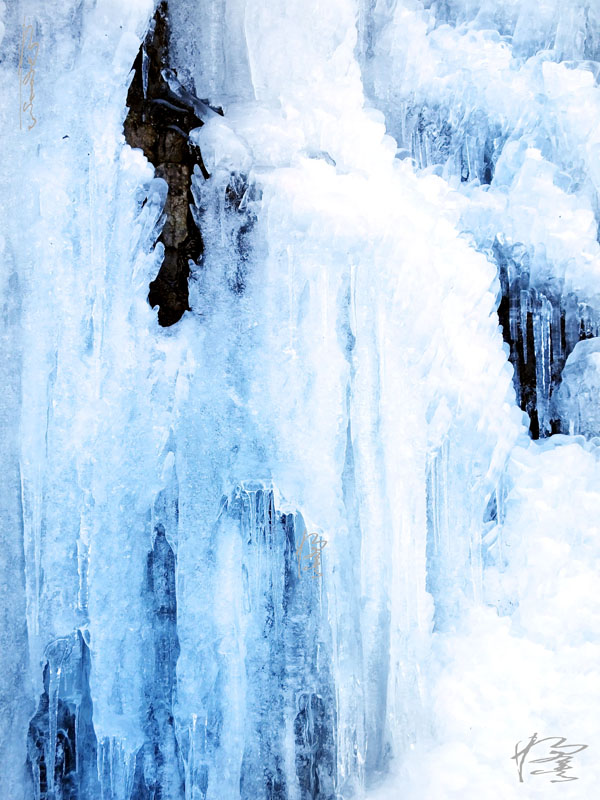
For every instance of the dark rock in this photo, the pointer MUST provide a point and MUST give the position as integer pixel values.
(158, 122)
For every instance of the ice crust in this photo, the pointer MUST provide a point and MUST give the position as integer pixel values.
(382, 174)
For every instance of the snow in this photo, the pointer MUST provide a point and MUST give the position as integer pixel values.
(531, 667)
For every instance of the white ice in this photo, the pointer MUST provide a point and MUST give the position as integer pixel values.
(361, 375)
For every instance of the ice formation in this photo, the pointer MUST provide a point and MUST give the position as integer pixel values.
(371, 227)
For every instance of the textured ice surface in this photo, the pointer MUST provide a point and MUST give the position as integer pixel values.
(577, 397)
(393, 188)
(502, 101)
(527, 662)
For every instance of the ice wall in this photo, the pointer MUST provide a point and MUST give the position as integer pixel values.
(89, 454)
(501, 99)
(341, 371)
(16, 701)
(576, 399)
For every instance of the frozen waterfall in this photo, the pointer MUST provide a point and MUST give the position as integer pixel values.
(301, 486)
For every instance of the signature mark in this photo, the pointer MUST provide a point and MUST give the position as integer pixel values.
(27, 60)
(311, 560)
(558, 752)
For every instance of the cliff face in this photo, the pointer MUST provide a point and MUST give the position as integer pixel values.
(158, 122)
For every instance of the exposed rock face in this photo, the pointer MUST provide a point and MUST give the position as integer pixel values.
(159, 122)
